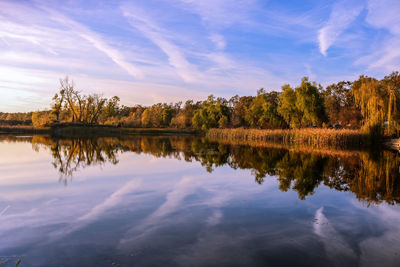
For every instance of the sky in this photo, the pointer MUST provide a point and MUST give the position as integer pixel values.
(173, 50)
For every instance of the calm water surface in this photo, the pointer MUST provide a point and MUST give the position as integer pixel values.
(185, 201)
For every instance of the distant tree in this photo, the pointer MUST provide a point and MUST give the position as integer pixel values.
(72, 98)
(166, 115)
(263, 111)
(110, 110)
(310, 103)
(240, 107)
(41, 119)
(92, 108)
(287, 107)
(213, 113)
(57, 106)
(335, 100)
(11, 117)
(146, 120)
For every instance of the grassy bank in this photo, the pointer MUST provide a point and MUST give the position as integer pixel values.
(114, 131)
(81, 131)
(20, 129)
(312, 137)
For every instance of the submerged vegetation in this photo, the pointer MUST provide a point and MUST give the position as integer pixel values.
(372, 177)
(367, 104)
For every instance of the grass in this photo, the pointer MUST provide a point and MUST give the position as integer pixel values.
(308, 136)
(18, 129)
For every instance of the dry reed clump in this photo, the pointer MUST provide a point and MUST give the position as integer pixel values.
(307, 136)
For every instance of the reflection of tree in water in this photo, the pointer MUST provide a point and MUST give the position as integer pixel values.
(70, 155)
(371, 177)
(304, 171)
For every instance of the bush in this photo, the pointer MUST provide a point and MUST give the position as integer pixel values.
(41, 119)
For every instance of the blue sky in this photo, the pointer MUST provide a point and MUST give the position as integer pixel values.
(172, 50)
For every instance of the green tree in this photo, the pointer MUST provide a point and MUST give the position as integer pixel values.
(213, 113)
(310, 103)
(287, 107)
(263, 111)
(240, 107)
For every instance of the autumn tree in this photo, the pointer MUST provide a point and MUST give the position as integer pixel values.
(41, 119)
(391, 84)
(58, 102)
(369, 96)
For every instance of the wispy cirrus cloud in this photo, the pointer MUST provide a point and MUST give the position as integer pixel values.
(174, 199)
(221, 13)
(180, 49)
(384, 15)
(97, 211)
(176, 58)
(84, 32)
(218, 40)
(339, 251)
(343, 13)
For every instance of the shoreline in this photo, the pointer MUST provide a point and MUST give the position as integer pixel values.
(306, 137)
(96, 130)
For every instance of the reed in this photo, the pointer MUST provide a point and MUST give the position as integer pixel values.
(343, 138)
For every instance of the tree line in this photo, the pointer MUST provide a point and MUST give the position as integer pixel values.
(366, 103)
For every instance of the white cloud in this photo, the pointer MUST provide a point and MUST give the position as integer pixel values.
(382, 250)
(221, 13)
(343, 13)
(183, 49)
(176, 57)
(384, 14)
(218, 40)
(337, 249)
(97, 211)
(97, 42)
(173, 202)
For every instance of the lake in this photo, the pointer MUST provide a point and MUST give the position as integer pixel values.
(186, 201)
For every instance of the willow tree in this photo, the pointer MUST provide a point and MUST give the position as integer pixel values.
(369, 96)
(391, 84)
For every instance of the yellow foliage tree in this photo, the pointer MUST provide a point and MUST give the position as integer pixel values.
(370, 96)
